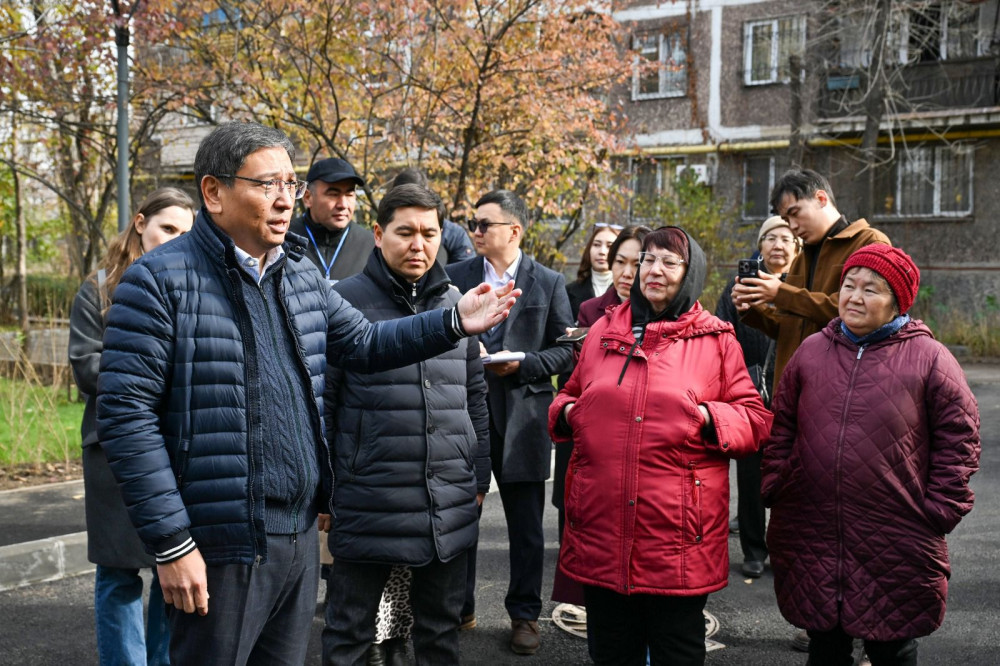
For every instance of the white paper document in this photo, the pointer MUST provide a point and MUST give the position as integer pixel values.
(503, 357)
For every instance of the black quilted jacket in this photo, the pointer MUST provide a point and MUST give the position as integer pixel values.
(410, 446)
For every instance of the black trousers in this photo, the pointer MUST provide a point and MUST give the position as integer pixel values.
(620, 628)
(523, 505)
(256, 615)
(436, 595)
(750, 508)
(836, 648)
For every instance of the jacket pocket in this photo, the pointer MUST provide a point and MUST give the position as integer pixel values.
(539, 388)
(359, 434)
(574, 488)
(181, 461)
(694, 487)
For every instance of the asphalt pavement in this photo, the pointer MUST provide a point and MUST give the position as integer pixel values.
(42, 537)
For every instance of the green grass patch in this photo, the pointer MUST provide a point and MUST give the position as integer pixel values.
(38, 423)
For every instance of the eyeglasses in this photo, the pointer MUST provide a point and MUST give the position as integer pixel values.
(784, 240)
(296, 188)
(648, 260)
(482, 225)
(605, 225)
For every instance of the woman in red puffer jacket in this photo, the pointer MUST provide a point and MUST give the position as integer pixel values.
(657, 405)
(876, 434)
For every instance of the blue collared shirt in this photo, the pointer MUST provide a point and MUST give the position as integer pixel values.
(249, 263)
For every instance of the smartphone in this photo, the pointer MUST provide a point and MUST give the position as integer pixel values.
(747, 268)
(575, 336)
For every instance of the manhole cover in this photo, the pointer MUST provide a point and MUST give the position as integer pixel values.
(573, 620)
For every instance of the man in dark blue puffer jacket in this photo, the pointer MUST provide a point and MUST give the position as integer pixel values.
(210, 401)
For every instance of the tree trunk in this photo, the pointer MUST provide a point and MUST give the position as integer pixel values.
(874, 108)
(22, 255)
(795, 147)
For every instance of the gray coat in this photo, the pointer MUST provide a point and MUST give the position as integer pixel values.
(410, 446)
(111, 539)
(519, 403)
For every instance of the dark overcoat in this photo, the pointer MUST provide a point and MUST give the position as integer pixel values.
(519, 403)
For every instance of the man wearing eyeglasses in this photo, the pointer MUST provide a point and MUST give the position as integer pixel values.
(337, 244)
(210, 397)
(520, 393)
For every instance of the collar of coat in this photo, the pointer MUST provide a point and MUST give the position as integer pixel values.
(433, 283)
(696, 321)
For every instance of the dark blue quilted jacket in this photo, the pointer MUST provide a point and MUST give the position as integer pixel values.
(177, 393)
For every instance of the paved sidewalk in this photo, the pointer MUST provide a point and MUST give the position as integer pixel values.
(43, 531)
(42, 534)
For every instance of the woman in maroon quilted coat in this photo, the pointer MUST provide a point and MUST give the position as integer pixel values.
(875, 436)
(657, 405)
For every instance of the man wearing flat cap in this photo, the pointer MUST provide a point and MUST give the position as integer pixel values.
(337, 244)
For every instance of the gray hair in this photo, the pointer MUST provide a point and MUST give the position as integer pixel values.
(226, 149)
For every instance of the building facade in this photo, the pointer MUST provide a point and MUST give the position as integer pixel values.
(739, 90)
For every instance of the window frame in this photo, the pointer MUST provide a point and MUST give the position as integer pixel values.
(935, 181)
(774, 77)
(666, 170)
(663, 40)
(773, 168)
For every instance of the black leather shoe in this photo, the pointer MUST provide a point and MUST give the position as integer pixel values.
(375, 655)
(395, 652)
(752, 569)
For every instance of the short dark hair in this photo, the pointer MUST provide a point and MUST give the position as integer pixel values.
(408, 196)
(410, 176)
(227, 147)
(632, 232)
(509, 203)
(801, 184)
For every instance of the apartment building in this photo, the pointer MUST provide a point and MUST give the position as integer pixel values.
(738, 90)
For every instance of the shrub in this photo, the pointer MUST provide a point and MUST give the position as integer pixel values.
(50, 297)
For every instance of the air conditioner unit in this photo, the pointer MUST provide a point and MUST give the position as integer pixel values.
(701, 171)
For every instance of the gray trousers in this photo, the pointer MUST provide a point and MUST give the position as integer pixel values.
(256, 615)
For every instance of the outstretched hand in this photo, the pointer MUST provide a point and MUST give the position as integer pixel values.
(483, 308)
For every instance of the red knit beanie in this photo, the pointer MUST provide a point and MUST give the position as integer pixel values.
(892, 264)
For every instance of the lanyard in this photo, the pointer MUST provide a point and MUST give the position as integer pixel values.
(336, 252)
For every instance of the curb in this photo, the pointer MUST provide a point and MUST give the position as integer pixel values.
(43, 560)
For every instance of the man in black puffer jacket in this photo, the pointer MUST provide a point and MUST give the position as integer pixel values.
(209, 402)
(410, 450)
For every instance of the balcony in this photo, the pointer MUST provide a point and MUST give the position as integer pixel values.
(927, 86)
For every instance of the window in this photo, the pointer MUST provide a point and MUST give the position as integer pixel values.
(759, 175)
(767, 47)
(926, 33)
(927, 181)
(660, 66)
(652, 179)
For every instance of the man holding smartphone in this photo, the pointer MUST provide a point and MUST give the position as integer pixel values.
(791, 310)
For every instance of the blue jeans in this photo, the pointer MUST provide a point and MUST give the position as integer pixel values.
(121, 638)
